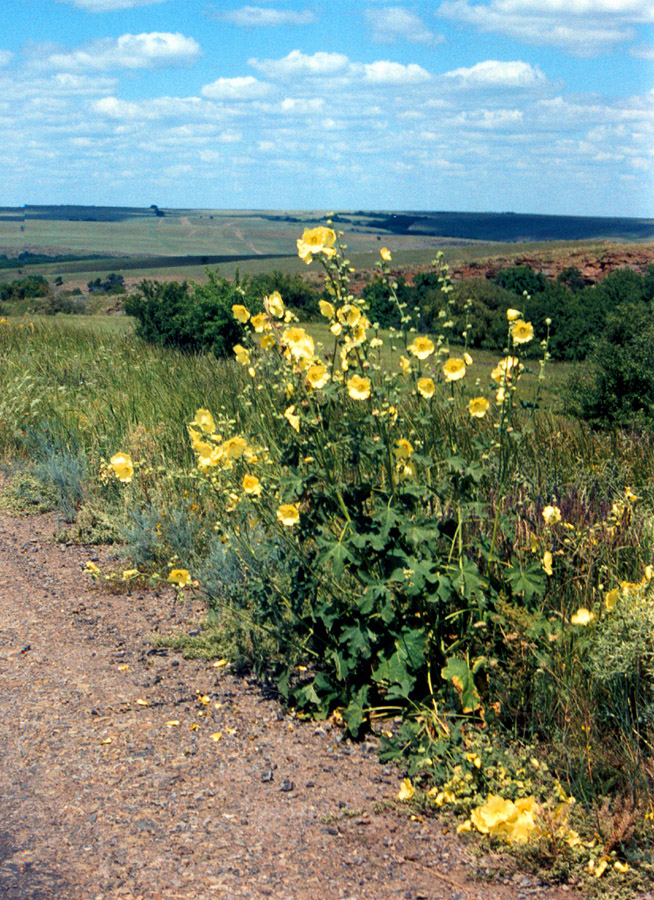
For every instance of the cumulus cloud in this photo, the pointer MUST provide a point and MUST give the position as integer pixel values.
(493, 73)
(298, 63)
(259, 16)
(392, 23)
(108, 5)
(244, 88)
(153, 50)
(583, 27)
(385, 72)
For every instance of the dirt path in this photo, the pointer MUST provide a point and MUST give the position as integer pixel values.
(100, 799)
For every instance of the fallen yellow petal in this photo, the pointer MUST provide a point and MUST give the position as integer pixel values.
(107, 741)
(195, 727)
(406, 791)
(124, 667)
(216, 736)
(173, 723)
(142, 703)
(219, 663)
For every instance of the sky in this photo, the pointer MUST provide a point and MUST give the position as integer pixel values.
(541, 106)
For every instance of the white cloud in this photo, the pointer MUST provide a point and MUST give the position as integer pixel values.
(298, 63)
(302, 106)
(258, 16)
(108, 5)
(643, 51)
(583, 27)
(159, 108)
(6, 57)
(245, 88)
(493, 73)
(130, 51)
(391, 23)
(385, 72)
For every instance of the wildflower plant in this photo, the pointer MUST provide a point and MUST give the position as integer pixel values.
(368, 479)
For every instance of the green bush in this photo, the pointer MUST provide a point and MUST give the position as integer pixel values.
(521, 279)
(192, 318)
(619, 390)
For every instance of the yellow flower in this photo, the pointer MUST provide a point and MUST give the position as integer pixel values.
(467, 358)
(422, 347)
(522, 332)
(552, 515)
(464, 827)
(405, 365)
(180, 577)
(327, 309)
(454, 369)
(242, 355)
(204, 420)
(358, 388)
(314, 241)
(267, 341)
(547, 562)
(91, 567)
(274, 305)
(260, 323)
(512, 821)
(292, 418)
(611, 598)
(123, 467)
(621, 867)
(130, 573)
(336, 328)
(583, 616)
(317, 376)
(235, 447)
(288, 514)
(252, 485)
(649, 573)
(629, 494)
(348, 315)
(403, 449)
(385, 254)
(406, 791)
(426, 387)
(299, 343)
(478, 407)
(375, 343)
(513, 314)
(240, 313)
(505, 369)
(208, 455)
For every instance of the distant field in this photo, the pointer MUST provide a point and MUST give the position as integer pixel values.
(158, 243)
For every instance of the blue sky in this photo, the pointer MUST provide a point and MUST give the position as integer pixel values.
(540, 106)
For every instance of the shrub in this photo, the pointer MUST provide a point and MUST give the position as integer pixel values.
(619, 389)
(520, 280)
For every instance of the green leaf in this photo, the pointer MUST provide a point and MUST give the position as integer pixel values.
(530, 581)
(458, 672)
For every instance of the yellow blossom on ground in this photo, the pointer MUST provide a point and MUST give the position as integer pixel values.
(621, 867)
(317, 376)
(327, 309)
(478, 407)
(512, 821)
(242, 355)
(552, 515)
(240, 313)
(274, 304)
(288, 514)
(403, 449)
(464, 827)
(406, 791)
(180, 577)
(422, 347)
(130, 573)
(122, 465)
(522, 332)
(293, 420)
(513, 314)
(454, 368)
(358, 388)
(583, 616)
(260, 323)
(252, 485)
(235, 447)
(314, 241)
(426, 387)
(204, 420)
(385, 254)
(547, 562)
(91, 567)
